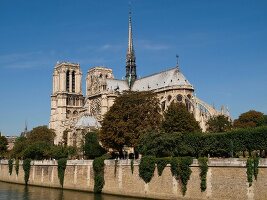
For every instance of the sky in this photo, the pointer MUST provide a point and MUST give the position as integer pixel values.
(222, 48)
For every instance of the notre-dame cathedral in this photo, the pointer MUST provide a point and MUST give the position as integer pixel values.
(73, 114)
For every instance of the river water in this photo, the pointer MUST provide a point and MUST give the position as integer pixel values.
(10, 191)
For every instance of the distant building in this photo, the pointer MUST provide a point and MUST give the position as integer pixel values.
(70, 108)
(11, 141)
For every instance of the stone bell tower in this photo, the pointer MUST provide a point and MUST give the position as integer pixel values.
(66, 100)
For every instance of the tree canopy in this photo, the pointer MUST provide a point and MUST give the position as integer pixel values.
(132, 114)
(248, 119)
(219, 123)
(3, 145)
(38, 144)
(178, 119)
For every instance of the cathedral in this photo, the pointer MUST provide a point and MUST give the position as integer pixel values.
(74, 114)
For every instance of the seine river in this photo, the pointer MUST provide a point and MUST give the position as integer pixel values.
(20, 192)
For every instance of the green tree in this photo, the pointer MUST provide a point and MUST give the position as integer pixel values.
(178, 119)
(20, 145)
(92, 148)
(248, 119)
(3, 145)
(41, 133)
(219, 124)
(132, 114)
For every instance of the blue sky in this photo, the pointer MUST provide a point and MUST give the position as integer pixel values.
(222, 47)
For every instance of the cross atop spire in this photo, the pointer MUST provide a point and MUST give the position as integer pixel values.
(130, 56)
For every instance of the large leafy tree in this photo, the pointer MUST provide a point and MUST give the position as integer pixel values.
(132, 114)
(178, 119)
(248, 119)
(218, 124)
(41, 133)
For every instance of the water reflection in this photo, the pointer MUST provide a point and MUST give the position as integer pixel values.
(20, 192)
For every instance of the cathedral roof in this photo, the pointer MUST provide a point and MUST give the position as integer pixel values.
(117, 85)
(168, 78)
(87, 121)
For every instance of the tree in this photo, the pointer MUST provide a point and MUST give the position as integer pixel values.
(219, 124)
(92, 147)
(248, 119)
(178, 119)
(41, 133)
(3, 145)
(132, 114)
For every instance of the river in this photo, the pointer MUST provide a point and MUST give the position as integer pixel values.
(10, 191)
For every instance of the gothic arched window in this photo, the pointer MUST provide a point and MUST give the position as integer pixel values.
(67, 80)
(73, 81)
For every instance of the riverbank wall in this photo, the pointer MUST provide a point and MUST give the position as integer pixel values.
(226, 179)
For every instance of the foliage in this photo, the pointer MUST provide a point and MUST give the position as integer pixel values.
(98, 167)
(92, 147)
(219, 124)
(20, 145)
(178, 119)
(161, 164)
(26, 169)
(250, 170)
(3, 145)
(62, 162)
(162, 144)
(248, 119)
(180, 168)
(41, 133)
(199, 144)
(132, 166)
(10, 166)
(132, 114)
(37, 150)
(115, 167)
(58, 152)
(17, 166)
(203, 165)
(256, 161)
(147, 168)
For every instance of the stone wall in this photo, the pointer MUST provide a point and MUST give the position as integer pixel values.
(226, 179)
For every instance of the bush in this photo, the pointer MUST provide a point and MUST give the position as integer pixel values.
(17, 166)
(181, 171)
(92, 147)
(161, 164)
(27, 169)
(10, 166)
(250, 170)
(147, 168)
(98, 167)
(62, 162)
(203, 165)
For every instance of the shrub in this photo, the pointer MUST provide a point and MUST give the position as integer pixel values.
(132, 165)
(250, 170)
(10, 166)
(203, 165)
(256, 165)
(17, 166)
(98, 167)
(161, 164)
(26, 169)
(62, 162)
(147, 168)
(181, 171)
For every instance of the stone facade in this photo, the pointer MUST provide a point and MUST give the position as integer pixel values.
(68, 104)
(226, 179)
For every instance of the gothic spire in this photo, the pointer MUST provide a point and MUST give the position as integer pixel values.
(130, 37)
(130, 56)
